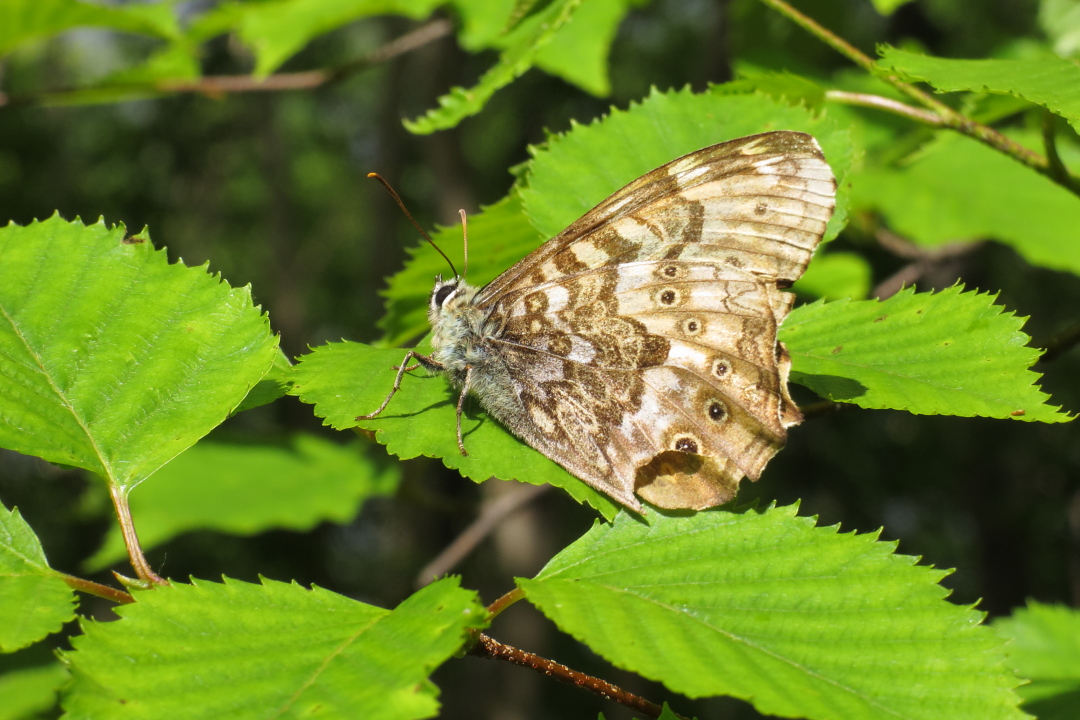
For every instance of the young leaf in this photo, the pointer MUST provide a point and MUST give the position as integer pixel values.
(945, 353)
(579, 52)
(25, 20)
(580, 168)
(1044, 647)
(460, 102)
(114, 360)
(802, 621)
(959, 189)
(34, 599)
(246, 489)
(499, 236)
(241, 651)
(1049, 81)
(30, 692)
(347, 379)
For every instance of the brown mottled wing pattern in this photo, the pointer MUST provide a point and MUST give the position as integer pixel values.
(641, 341)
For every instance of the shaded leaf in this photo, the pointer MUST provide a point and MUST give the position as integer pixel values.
(242, 651)
(577, 170)
(277, 29)
(887, 7)
(111, 359)
(945, 353)
(959, 189)
(461, 102)
(1049, 81)
(347, 379)
(801, 621)
(30, 691)
(1044, 647)
(274, 384)
(247, 489)
(34, 599)
(1060, 20)
(835, 276)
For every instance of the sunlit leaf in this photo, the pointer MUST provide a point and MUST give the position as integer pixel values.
(945, 353)
(245, 651)
(835, 276)
(26, 20)
(34, 599)
(801, 621)
(112, 359)
(1049, 81)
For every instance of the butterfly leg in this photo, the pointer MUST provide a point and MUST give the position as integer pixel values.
(460, 404)
(424, 360)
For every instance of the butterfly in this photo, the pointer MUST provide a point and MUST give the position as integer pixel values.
(638, 347)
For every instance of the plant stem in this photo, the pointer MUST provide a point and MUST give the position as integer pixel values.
(504, 602)
(103, 591)
(490, 648)
(131, 539)
(883, 103)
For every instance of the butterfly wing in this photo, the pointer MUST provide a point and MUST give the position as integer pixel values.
(641, 341)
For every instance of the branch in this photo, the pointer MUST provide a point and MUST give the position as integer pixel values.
(219, 85)
(487, 647)
(491, 515)
(1061, 343)
(943, 115)
(131, 539)
(103, 591)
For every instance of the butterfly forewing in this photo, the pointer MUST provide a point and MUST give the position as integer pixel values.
(638, 347)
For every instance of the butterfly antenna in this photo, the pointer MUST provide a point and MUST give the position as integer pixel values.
(397, 199)
(464, 241)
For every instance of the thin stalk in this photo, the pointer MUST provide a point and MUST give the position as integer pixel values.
(131, 539)
(102, 591)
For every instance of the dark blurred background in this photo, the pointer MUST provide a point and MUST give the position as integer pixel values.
(270, 189)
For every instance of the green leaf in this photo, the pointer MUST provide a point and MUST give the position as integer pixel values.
(34, 599)
(801, 621)
(22, 21)
(111, 359)
(959, 189)
(347, 379)
(240, 651)
(247, 489)
(1060, 20)
(277, 29)
(1049, 81)
(460, 102)
(499, 236)
(1045, 648)
(580, 168)
(836, 276)
(274, 384)
(945, 353)
(578, 53)
(31, 691)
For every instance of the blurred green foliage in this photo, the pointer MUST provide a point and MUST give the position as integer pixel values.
(270, 189)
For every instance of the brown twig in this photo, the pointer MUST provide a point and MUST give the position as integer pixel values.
(490, 517)
(923, 260)
(103, 591)
(487, 647)
(218, 85)
(944, 116)
(131, 539)
(1061, 343)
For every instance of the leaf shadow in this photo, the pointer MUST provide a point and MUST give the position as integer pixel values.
(833, 387)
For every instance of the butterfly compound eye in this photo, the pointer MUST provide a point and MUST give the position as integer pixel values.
(442, 293)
